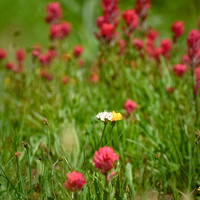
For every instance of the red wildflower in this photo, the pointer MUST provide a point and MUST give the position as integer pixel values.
(185, 59)
(179, 69)
(152, 34)
(107, 31)
(65, 80)
(197, 74)
(100, 20)
(53, 12)
(75, 181)
(80, 62)
(20, 55)
(169, 89)
(2, 54)
(36, 51)
(65, 28)
(94, 77)
(131, 19)
(166, 47)
(59, 31)
(46, 75)
(137, 43)
(104, 159)
(177, 29)
(78, 50)
(130, 106)
(193, 43)
(9, 66)
(142, 7)
(157, 52)
(122, 45)
(43, 59)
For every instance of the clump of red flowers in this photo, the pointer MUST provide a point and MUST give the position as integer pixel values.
(177, 29)
(193, 44)
(166, 47)
(53, 12)
(179, 69)
(57, 29)
(131, 19)
(142, 8)
(44, 74)
(75, 181)
(108, 21)
(60, 30)
(104, 159)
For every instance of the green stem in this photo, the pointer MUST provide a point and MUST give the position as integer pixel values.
(105, 124)
(112, 124)
(19, 177)
(29, 166)
(49, 139)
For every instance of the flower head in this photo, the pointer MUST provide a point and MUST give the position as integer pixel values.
(20, 55)
(78, 50)
(177, 29)
(179, 69)
(75, 181)
(104, 116)
(137, 43)
(53, 12)
(2, 54)
(130, 106)
(104, 159)
(116, 116)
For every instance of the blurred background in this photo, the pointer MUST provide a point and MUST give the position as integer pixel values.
(22, 22)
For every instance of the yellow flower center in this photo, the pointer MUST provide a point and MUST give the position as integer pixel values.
(116, 116)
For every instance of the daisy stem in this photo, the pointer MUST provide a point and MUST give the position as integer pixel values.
(105, 124)
(112, 124)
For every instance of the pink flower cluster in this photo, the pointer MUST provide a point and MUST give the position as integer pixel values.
(142, 8)
(104, 159)
(177, 29)
(57, 29)
(193, 44)
(18, 67)
(108, 21)
(75, 181)
(155, 52)
(131, 20)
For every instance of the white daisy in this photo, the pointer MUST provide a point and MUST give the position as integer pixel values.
(104, 116)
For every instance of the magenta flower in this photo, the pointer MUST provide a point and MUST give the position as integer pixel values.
(53, 12)
(78, 50)
(177, 29)
(104, 159)
(2, 54)
(75, 181)
(130, 106)
(179, 69)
